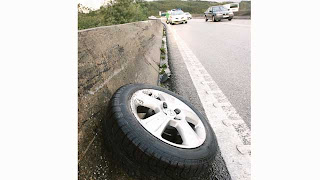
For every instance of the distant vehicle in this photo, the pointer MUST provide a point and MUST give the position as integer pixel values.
(188, 15)
(216, 13)
(234, 7)
(152, 17)
(177, 17)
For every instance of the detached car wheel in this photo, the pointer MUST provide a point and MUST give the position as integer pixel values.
(157, 133)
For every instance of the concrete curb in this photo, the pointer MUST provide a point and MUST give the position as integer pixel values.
(167, 72)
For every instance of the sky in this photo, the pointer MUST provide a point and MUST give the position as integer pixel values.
(95, 4)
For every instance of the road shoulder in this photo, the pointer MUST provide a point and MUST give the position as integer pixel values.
(181, 84)
(234, 137)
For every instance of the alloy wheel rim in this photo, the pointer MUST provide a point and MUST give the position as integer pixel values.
(168, 118)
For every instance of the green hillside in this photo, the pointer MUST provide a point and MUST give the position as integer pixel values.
(125, 11)
(194, 7)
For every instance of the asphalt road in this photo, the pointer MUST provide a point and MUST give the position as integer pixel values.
(223, 48)
(181, 83)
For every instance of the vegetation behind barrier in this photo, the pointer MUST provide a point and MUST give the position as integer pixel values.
(118, 12)
(125, 11)
(193, 7)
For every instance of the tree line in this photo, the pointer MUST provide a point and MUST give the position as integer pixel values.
(125, 11)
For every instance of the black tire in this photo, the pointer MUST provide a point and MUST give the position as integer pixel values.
(205, 17)
(186, 22)
(145, 156)
(230, 19)
(213, 19)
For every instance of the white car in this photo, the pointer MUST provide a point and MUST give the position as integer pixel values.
(188, 15)
(152, 17)
(177, 17)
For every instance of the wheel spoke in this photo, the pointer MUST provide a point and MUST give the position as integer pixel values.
(191, 115)
(166, 97)
(156, 123)
(188, 135)
(147, 101)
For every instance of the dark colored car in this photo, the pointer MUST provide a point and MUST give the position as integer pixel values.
(216, 13)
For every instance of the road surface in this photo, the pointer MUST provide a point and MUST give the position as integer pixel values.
(208, 70)
(223, 48)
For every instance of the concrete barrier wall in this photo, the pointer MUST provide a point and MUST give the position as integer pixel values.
(109, 57)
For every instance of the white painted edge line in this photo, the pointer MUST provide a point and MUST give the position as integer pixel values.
(233, 135)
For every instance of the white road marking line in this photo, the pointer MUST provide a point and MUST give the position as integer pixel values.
(233, 135)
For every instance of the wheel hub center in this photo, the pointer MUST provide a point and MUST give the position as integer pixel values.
(169, 112)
